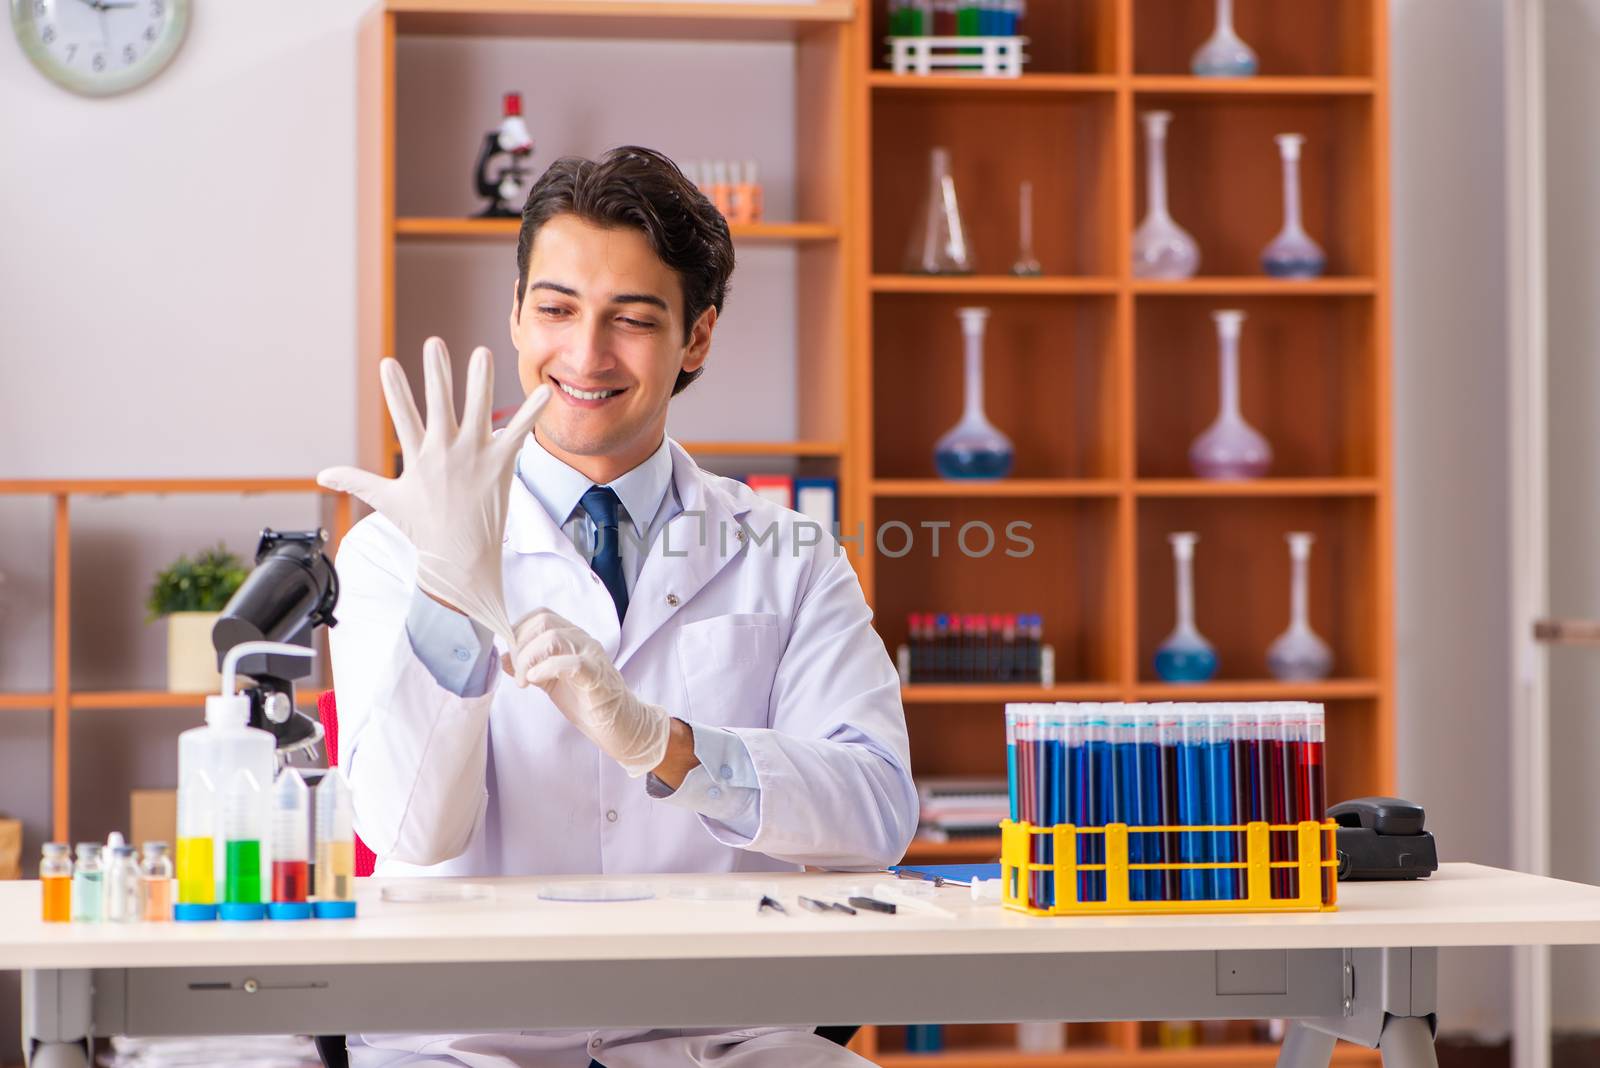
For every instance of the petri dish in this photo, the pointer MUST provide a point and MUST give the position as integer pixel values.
(719, 891)
(434, 891)
(596, 891)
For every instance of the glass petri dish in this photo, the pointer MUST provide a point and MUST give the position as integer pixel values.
(434, 891)
(596, 891)
(752, 892)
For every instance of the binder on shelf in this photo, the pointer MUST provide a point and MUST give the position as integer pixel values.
(818, 500)
(779, 488)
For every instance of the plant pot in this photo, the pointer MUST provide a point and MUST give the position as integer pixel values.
(191, 658)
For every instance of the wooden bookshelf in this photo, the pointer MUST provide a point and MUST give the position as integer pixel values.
(62, 699)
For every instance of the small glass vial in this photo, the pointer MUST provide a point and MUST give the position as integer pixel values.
(155, 883)
(88, 883)
(122, 886)
(336, 848)
(291, 847)
(55, 879)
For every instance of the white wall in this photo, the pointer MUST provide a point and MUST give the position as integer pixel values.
(1451, 453)
(1572, 93)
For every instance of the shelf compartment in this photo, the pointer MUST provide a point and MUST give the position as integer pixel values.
(1306, 38)
(1225, 178)
(993, 285)
(1000, 693)
(426, 227)
(1066, 432)
(617, 19)
(1064, 144)
(1064, 567)
(1308, 381)
(1064, 36)
(1241, 577)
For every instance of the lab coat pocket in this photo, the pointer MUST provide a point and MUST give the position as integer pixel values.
(728, 663)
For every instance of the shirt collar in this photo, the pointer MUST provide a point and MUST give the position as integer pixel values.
(558, 487)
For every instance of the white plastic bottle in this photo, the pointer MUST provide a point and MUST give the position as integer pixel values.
(227, 743)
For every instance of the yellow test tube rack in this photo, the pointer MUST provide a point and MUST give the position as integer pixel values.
(1016, 865)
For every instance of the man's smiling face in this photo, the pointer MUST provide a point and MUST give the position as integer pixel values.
(602, 322)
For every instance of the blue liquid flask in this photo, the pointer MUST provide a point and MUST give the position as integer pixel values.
(973, 448)
(1185, 656)
(1224, 55)
(1292, 254)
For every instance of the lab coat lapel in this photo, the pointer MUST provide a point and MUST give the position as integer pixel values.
(696, 544)
(529, 528)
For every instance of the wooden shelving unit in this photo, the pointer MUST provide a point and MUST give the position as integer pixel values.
(1101, 379)
(63, 698)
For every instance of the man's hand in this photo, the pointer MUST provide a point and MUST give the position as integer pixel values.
(450, 498)
(568, 664)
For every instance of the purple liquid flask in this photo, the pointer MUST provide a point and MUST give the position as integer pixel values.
(1230, 448)
(1161, 248)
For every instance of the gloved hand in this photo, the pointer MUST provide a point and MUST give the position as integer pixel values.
(565, 662)
(450, 498)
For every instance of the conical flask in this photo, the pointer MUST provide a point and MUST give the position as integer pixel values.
(1298, 655)
(1230, 448)
(1224, 55)
(939, 246)
(1161, 248)
(974, 448)
(1292, 254)
(1185, 656)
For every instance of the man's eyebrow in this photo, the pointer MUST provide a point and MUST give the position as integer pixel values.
(566, 291)
(620, 298)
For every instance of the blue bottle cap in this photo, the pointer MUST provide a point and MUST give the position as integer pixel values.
(335, 910)
(190, 913)
(289, 910)
(240, 911)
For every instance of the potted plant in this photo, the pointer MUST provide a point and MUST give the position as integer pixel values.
(191, 594)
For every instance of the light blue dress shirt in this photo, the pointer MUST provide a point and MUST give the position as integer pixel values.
(459, 652)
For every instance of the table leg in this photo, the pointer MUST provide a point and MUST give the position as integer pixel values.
(57, 1007)
(1306, 1048)
(1407, 1042)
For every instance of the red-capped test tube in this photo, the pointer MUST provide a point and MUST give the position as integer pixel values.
(291, 848)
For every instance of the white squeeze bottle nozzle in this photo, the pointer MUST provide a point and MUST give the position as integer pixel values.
(231, 709)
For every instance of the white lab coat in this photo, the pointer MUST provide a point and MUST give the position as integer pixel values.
(771, 640)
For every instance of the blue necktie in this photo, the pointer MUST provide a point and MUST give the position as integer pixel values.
(601, 504)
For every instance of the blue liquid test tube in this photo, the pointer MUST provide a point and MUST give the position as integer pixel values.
(1150, 813)
(1126, 790)
(1055, 781)
(1078, 788)
(1192, 845)
(1102, 786)
(1220, 797)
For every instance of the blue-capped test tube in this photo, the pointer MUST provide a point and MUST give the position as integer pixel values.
(336, 848)
(1011, 759)
(1220, 799)
(1150, 813)
(1193, 847)
(1102, 786)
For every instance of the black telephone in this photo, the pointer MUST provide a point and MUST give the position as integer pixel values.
(1382, 838)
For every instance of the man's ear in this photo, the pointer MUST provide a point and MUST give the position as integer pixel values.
(699, 348)
(516, 305)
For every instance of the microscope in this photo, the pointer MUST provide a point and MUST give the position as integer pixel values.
(291, 592)
(507, 188)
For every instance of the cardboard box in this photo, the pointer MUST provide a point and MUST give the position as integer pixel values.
(10, 849)
(153, 817)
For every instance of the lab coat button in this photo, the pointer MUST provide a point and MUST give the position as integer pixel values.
(611, 815)
(726, 772)
(463, 656)
(596, 1042)
(714, 793)
(672, 600)
(738, 535)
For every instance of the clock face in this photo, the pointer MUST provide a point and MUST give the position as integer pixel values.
(98, 47)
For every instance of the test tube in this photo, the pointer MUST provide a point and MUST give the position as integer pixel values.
(88, 884)
(1193, 848)
(1277, 762)
(1055, 762)
(336, 848)
(155, 883)
(1220, 799)
(122, 886)
(1247, 795)
(291, 847)
(55, 883)
(197, 878)
(1150, 812)
(242, 834)
(1011, 758)
(1126, 790)
(1313, 795)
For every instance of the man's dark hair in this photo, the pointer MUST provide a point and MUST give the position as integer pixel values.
(642, 189)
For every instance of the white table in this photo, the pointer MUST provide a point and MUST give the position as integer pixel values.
(1366, 973)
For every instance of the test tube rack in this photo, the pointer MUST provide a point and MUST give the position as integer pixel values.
(980, 57)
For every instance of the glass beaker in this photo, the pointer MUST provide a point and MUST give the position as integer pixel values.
(1185, 656)
(1298, 654)
(1292, 254)
(1161, 248)
(1224, 55)
(940, 246)
(1230, 448)
(974, 448)
(1027, 264)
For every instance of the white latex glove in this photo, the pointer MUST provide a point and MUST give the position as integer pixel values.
(450, 499)
(565, 662)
